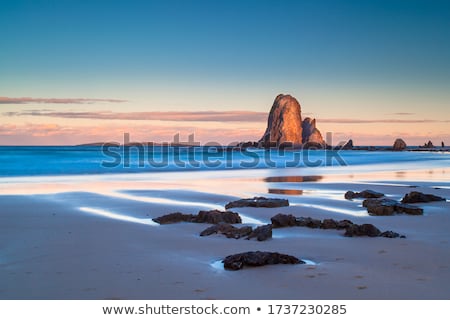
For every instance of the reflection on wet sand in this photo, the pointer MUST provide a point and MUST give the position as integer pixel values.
(285, 191)
(293, 179)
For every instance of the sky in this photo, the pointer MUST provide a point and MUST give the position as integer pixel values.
(74, 71)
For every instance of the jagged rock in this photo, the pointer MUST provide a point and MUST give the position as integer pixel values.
(344, 224)
(309, 222)
(310, 134)
(174, 218)
(284, 124)
(387, 207)
(258, 202)
(348, 145)
(442, 144)
(380, 207)
(399, 145)
(257, 259)
(228, 230)
(349, 195)
(366, 229)
(212, 216)
(248, 144)
(428, 145)
(216, 216)
(283, 220)
(415, 196)
(329, 224)
(390, 234)
(408, 209)
(261, 233)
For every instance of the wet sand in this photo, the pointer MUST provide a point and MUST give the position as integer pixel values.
(92, 238)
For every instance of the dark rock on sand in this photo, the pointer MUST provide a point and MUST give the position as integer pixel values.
(309, 222)
(387, 207)
(414, 197)
(408, 209)
(261, 233)
(368, 194)
(380, 207)
(258, 202)
(212, 216)
(257, 259)
(174, 218)
(227, 230)
(283, 220)
(329, 224)
(391, 234)
(344, 224)
(216, 216)
(366, 229)
(399, 145)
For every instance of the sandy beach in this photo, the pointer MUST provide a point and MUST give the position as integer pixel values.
(92, 237)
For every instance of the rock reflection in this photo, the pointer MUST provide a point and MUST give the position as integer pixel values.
(286, 191)
(293, 179)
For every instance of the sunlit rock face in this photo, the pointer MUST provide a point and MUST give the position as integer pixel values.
(286, 128)
(284, 124)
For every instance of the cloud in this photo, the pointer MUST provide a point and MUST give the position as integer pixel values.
(402, 114)
(222, 116)
(362, 121)
(27, 100)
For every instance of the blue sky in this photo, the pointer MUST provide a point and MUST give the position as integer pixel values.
(341, 59)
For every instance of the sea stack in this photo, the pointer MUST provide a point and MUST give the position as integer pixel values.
(285, 127)
(399, 145)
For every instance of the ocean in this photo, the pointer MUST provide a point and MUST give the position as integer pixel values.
(22, 161)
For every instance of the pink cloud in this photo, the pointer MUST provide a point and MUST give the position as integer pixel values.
(222, 116)
(26, 100)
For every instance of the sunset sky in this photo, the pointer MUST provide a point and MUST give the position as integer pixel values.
(75, 72)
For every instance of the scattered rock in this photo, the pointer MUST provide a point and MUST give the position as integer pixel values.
(228, 230)
(390, 234)
(387, 207)
(257, 259)
(174, 218)
(368, 194)
(283, 220)
(428, 145)
(399, 145)
(408, 209)
(348, 145)
(216, 216)
(344, 224)
(414, 197)
(309, 222)
(258, 202)
(212, 216)
(329, 224)
(366, 229)
(261, 233)
(380, 207)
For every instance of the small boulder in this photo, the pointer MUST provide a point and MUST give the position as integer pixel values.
(283, 220)
(344, 224)
(390, 234)
(366, 229)
(415, 196)
(258, 202)
(368, 194)
(380, 207)
(261, 233)
(228, 230)
(329, 224)
(257, 259)
(308, 222)
(216, 216)
(408, 209)
(174, 218)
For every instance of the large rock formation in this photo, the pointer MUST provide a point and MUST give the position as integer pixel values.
(399, 145)
(286, 128)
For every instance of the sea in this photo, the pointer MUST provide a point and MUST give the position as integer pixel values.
(24, 161)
